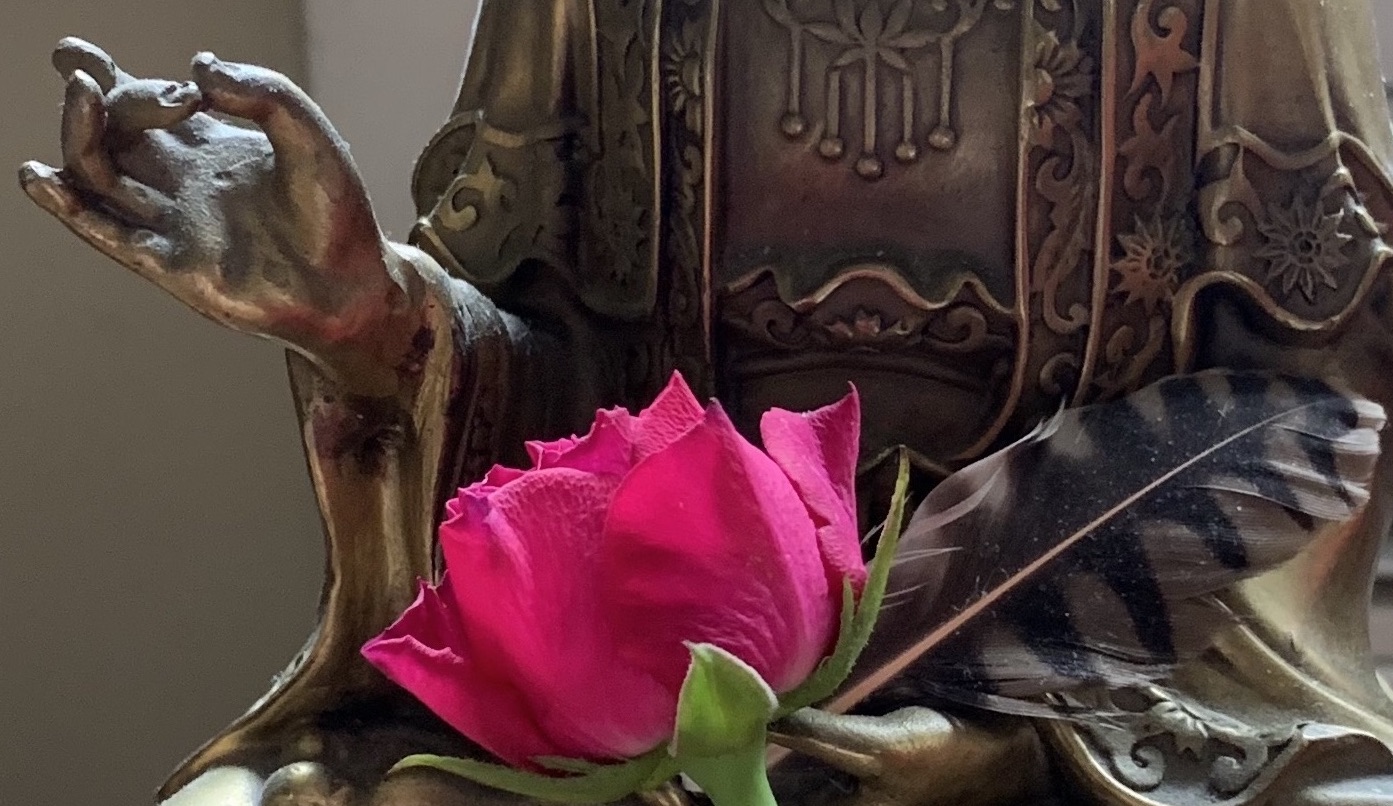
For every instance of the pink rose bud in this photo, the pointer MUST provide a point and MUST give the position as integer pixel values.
(575, 587)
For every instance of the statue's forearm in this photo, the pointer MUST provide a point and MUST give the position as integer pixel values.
(380, 467)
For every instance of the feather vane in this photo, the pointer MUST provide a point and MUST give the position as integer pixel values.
(1089, 551)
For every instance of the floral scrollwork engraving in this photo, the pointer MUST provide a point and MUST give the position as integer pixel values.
(1153, 243)
(621, 205)
(1160, 48)
(876, 43)
(685, 74)
(1146, 738)
(959, 329)
(863, 316)
(1063, 78)
(683, 67)
(1158, 254)
(1066, 178)
(1061, 156)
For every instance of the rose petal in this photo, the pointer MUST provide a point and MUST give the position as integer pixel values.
(527, 590)
(545, 454)
(497, 476)
(605, 449)
(708, 542)
(818, 450)
(420, 653)
(674, 412)
(617, 439)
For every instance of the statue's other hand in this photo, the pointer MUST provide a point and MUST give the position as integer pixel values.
(921, 757)
(267, 230)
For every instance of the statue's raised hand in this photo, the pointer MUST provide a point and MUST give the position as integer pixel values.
(267, 230)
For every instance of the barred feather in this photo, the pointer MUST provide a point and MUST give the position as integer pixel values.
(1088, 552)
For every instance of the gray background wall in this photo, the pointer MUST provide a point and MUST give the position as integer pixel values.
(386, 72)
(159, 555)
(158, 549)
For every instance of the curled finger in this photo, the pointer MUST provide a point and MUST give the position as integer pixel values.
(87, 160)
(141, 250)
(73, 54)
(84, 129)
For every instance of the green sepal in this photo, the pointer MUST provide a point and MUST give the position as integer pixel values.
(858, 618)
(724, 706)
(595, 783)
(738, 778)
(570, 766)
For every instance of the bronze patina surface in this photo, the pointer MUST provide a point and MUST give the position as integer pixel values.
(973, 209)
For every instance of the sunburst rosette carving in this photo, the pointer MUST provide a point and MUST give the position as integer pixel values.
(1155, 257)
(1303, 248)
(683, 66)
(1063, 78)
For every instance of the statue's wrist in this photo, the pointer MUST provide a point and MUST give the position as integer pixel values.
(382, 352)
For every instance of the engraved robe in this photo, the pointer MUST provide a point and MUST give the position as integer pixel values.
(973, 210)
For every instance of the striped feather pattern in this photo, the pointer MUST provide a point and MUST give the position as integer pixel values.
(1088, 551)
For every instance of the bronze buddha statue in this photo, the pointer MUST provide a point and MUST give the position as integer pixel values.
(972, 209)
